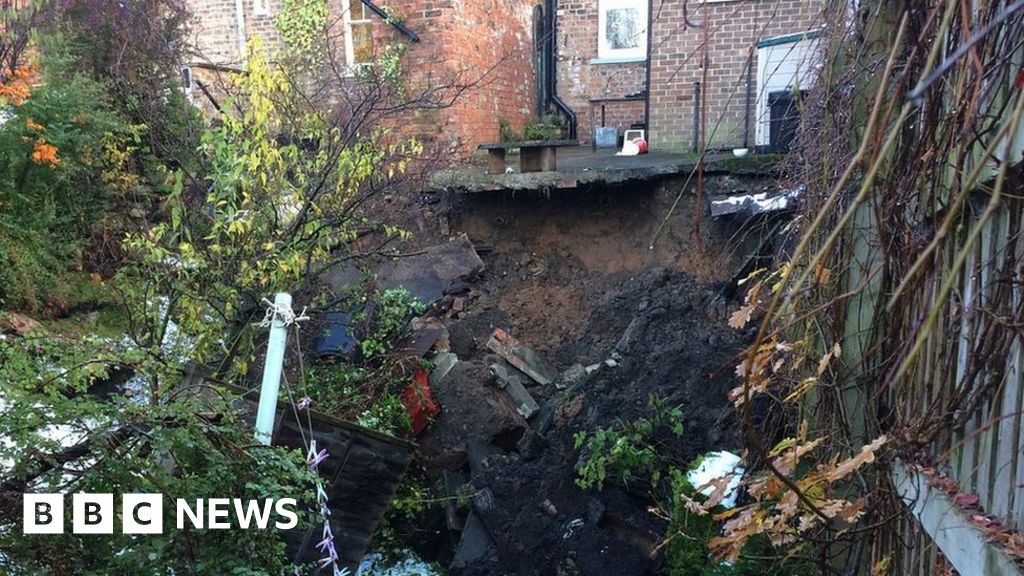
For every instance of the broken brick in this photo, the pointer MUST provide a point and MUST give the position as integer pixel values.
(522, 357)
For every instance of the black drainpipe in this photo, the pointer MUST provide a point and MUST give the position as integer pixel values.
(647, 78)
(550, 9)
(750, 87)
(397, 25)
(696, 117)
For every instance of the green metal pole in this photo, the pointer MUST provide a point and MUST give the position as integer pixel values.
(272, 370)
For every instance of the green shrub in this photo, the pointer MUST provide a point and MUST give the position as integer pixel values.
(51, 158)
(627, 450)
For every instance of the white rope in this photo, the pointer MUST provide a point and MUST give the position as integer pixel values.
(281, 313)
(326, 546)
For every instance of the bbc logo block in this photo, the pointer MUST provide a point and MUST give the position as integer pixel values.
(43, 514)
(144, 513)
(93, 513)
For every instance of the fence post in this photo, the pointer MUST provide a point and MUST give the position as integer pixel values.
(271, 385)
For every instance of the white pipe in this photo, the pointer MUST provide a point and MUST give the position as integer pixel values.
(271, 385)
(240, 24)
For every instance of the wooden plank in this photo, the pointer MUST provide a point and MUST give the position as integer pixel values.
(363, 469)
(1015, 515)
(966, 547)
(964, 472)
(496, 161)
(987, 436)
(527, 144)
(1004, 489)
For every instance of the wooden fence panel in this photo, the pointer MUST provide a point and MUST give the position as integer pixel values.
(985, 452)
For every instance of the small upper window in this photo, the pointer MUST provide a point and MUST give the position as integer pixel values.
(358, 33)
(622, 30)
(261, 7)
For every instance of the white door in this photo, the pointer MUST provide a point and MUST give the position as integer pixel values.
(783, 63)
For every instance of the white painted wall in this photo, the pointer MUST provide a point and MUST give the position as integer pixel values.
(782, 67)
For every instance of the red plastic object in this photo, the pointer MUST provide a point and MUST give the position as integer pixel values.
(641, 144)
(418, 401)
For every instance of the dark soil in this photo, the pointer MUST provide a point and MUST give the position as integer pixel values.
(677, 354)
(572, 277)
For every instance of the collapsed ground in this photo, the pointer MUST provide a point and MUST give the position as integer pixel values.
(571, 276)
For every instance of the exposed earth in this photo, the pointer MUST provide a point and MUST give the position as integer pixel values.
(571, 276)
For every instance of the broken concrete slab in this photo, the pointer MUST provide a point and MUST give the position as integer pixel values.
(522, 357)
(443, 364)
(426, 333)
(429, 274)
(505, 374)
(475, 545)
(521, 399)
(477, 453)
(758, 203)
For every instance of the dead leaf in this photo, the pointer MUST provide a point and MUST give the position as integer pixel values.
(967, 500)
(834, 352)
(788, 503)
(822, 275)
(739, 318)
(718, 494)
(853, 510)
(865, 456)
(18, 324)
(1015, 546)
(831, 508)
(787, 461)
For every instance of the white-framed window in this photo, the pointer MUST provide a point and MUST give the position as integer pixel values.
(261, 7)
(622, 30)
(358, 22)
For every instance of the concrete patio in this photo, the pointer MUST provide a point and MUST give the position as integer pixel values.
(582, 167)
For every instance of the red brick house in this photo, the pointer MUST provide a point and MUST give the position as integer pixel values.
(639, 62)
(610, 63)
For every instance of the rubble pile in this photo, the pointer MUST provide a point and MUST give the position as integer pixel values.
(503, 450)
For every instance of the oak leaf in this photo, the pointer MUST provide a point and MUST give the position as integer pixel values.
(739, 318)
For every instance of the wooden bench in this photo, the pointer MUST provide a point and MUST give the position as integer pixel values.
(534, 155)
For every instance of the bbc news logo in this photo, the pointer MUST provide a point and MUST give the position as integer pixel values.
(144, 513)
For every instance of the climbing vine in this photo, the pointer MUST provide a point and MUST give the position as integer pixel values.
(302, 24)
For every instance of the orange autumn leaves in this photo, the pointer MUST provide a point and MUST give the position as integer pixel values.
(42, 151)
(15, 88)
(15, 84)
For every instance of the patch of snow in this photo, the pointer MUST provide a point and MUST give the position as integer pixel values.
(716, 465)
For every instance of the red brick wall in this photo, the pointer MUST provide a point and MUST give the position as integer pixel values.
(486, 43)
(581, 80)
(734, 27)
(214, 29)
(618, 114)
